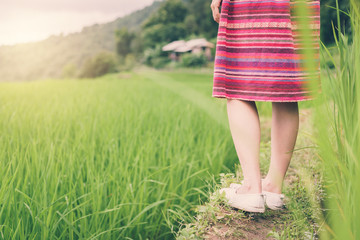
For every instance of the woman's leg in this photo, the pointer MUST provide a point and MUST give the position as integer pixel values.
(284, 129)
(245, 130)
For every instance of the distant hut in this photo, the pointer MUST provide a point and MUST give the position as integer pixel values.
(171, 47)
(194, 46)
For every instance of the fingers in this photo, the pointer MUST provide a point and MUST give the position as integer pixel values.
(215, 10)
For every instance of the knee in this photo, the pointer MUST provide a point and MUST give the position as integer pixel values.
(285, 106)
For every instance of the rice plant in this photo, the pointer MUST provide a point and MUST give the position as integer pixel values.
(338, 125)
(110, 158)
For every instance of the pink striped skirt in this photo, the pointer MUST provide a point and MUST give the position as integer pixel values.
(258, 51)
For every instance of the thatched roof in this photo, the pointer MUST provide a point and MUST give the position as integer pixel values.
(182, 46)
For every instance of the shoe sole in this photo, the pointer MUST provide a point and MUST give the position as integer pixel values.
(248, 209)
(275, 208)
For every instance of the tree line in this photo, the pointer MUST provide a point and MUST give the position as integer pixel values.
(186, 19)
(176, 19)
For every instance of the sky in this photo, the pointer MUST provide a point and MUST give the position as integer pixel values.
(33, 20)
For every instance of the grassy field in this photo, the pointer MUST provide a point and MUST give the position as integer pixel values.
(123, 156)
(134, 155)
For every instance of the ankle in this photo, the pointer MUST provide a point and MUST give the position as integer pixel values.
(249, 187)
(271, 186)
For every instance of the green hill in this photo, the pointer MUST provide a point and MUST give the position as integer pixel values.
(49, 57)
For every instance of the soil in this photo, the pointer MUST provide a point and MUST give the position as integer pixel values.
(254, 225)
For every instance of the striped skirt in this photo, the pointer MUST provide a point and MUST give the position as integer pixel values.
(258, 51)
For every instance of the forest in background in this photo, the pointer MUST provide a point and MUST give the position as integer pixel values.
(118, 45)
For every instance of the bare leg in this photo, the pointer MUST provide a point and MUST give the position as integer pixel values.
(245, 130)
(284, 129)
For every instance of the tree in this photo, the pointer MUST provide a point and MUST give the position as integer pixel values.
(171, 11)
(190, 24)
(137, 44)
(328, 15)
(161, 33)
(100, 64)
(165, 25)
(123, 41)
(202, 14)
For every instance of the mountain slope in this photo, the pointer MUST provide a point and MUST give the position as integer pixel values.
(48, 58)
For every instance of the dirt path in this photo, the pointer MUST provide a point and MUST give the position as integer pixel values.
(217, 221)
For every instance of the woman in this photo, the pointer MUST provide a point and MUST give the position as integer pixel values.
(258, 59)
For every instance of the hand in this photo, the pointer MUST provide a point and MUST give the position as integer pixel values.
(215, 10)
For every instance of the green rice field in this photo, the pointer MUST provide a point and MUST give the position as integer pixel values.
(124, 156)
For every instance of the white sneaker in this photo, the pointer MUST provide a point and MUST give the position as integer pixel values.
(274, 201)
(250, 202)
